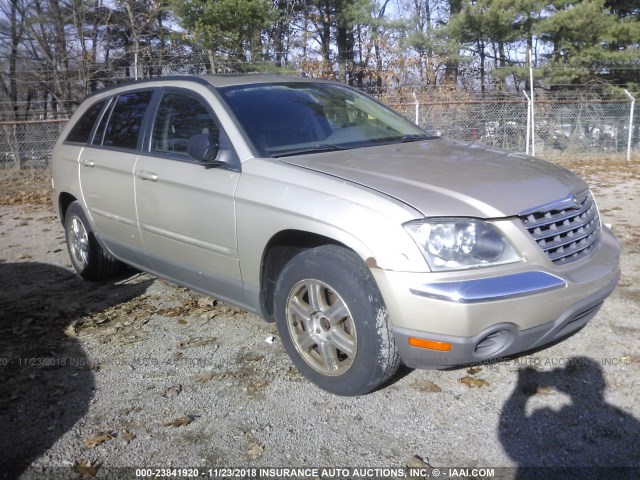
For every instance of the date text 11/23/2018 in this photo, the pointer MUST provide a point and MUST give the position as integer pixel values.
(313, 473)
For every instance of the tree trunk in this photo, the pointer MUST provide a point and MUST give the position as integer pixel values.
(451, 66)
(162, 52)
(133, 28)
(325, 36)
(16, 37)
(61, 56)
(282, 26)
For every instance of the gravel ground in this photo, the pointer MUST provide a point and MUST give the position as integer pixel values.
(141, 373)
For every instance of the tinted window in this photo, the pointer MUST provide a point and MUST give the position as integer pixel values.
(179, 118)
(126, 119)
(82, 129)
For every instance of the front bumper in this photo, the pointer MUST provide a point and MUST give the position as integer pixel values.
(476, 318)
(498, 340)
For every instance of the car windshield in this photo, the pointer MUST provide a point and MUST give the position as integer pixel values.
(297, 118)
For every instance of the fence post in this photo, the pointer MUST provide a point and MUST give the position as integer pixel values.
(633, 104)
(417, 108)
(533, 123)
(526, 144)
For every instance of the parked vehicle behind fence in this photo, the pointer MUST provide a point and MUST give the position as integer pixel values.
(369, 242)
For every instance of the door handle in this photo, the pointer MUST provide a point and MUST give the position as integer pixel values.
(88, 163)
(146, 175)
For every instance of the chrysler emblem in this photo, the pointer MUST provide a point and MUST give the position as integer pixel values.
(573, 202)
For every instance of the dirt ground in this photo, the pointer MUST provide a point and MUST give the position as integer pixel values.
(140, 373)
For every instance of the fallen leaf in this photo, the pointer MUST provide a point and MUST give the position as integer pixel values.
(473, 382)
(546, 390)
(179, 422)
(84, 468)
(70, 330)
(426, 386)
(178, 356)
(131, 410)
(109, 331)
(203, 377)
(257, 385)
(172, 391)
(127, 436)
(98, 439)
(206, 302)
(253, 357)
(182, 321)
(255, 451)
(473, 370)
(417, 462)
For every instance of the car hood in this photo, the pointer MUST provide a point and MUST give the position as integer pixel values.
(445, 178)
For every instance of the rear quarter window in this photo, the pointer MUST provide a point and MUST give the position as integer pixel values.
(82, 129)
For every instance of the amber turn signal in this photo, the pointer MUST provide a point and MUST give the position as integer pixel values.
(430, 344)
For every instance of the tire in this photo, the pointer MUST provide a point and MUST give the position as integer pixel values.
(88, 257)
(334, 323)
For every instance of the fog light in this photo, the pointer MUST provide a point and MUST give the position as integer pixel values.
(430, 344)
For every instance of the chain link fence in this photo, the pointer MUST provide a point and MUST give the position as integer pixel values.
(589, 127)
(598, 127)
(501, 124)
(28, 144)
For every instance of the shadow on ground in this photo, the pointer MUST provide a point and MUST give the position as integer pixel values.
(586, 438)
(46, 382)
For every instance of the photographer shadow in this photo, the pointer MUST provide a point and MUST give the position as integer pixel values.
(587, 438)
(46, 382)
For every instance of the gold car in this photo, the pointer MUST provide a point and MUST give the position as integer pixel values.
(369, 242)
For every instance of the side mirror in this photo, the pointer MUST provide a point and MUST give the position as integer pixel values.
(201, 149)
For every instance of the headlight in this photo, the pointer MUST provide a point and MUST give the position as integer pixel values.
(456, 244)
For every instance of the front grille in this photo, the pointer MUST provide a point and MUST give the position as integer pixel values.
(566, 230)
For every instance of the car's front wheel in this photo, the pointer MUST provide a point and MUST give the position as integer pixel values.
(333, 321)
(88, 257)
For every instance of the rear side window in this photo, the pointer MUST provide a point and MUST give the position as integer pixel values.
(125, 120)
(81, 131)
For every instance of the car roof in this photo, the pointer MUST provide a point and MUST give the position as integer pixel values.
(216, 81)
(227, 80)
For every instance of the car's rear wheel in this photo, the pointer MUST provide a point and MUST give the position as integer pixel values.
(88, 257)
(333, 321)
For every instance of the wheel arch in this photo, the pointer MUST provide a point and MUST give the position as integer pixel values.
(281, 248)
(64, 200)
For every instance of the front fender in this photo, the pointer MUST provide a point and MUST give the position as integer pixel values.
(272, 197)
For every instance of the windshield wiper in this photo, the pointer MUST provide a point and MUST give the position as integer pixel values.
(416, 138)
(319, 148)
